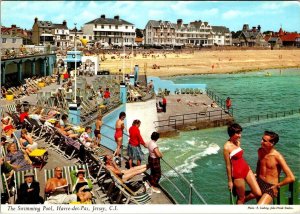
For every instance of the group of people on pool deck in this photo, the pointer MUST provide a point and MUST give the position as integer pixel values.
(265, 183)
(135, 152)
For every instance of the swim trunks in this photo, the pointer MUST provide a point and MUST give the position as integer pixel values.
(265, 187)
(239, 166)
(96, 132)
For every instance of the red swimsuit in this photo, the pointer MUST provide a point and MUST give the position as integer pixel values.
(239, 166)
(118, 133)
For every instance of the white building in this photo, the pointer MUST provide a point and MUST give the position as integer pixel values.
(9, 42)
(114, 31)
(221, 35)
(195, 33)
(160, 33)
(61, 34)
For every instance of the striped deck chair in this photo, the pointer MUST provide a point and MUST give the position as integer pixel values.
(73, 168)
(17, 136)
(49, 173)
(19, 179)
(138, 197)
(11, 108)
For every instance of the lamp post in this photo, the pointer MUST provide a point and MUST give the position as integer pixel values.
(75, 75)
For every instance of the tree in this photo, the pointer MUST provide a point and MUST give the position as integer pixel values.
(139, 33)
(235, 34)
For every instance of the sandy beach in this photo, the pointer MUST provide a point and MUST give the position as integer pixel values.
(204, 62)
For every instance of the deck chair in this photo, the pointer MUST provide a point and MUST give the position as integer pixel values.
(11, 108)
(17, 136)
(19, 179)
(49, 173)
(130, 195)
(6, 193)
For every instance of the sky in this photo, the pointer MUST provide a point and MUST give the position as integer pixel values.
(271, 15)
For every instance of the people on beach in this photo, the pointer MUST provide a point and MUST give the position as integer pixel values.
(135, 140)
(119, 133)
(269, 166)
(154, 162)
(238, 170)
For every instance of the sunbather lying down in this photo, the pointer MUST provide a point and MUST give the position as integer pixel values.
(125, 174)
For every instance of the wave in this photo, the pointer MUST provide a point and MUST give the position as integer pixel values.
(190, 162)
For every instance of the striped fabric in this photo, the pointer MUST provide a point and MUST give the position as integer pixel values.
(17, 136)
(19, 178)
(131, 196)
(11, 108)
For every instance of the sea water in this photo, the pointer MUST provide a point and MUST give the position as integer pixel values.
(199, 154)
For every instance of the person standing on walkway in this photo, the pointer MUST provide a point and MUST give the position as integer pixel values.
(269, 165)
(135, 140)
(228, 103)
(154, 162)
(97, 130)
(164, 104)
(238, 170)
(119, 133)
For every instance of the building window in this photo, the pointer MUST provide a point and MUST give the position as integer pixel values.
(102, 26)
(132, 27)
(95, 25)
(126, 27)
(109, 26)
(3, 40)
(14, 40)
(84, 37)
(63, 32)
(116, 26)
(71, 37)
(90, 38)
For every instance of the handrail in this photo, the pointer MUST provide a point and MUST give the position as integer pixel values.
(182, 118)
(267, 116)
(221, 102)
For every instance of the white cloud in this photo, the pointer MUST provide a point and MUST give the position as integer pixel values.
(279, 5)
(155, 14)
(232, 14)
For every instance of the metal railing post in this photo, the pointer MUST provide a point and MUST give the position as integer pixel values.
(191, 192)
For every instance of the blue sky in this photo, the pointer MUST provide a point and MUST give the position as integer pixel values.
(269, 14)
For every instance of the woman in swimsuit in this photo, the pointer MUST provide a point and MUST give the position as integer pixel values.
(119, 132)
(238, 170)
(97, 133)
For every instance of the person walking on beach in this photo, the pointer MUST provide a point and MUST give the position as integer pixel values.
(119, 133)
(154, 162)
(269, 165)
(238, 170)
(228, 103)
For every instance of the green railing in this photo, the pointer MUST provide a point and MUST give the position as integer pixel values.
(279, 114)
(221, 102)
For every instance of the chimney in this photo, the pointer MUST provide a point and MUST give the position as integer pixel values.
(254, 29)
(245, 27)
(117, 17)
(179, 22)
(102, 16)
(65, 23)
(13, 26)
(258, 28)
(35, 19)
